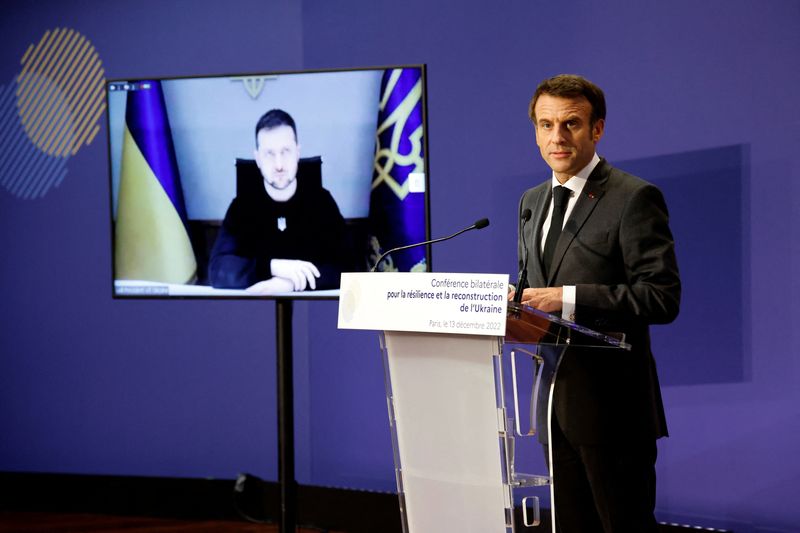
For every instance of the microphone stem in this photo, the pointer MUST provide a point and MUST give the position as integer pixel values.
(434, 241)
(407, 246)
(523, 274)
(521, 282)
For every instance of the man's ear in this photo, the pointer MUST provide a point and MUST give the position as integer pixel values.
(598, 129)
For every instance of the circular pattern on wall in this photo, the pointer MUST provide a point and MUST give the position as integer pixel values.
(50, 111)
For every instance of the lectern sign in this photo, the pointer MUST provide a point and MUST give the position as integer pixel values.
(472, 304)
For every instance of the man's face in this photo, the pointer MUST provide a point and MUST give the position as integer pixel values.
(276, 155)
(564, 134)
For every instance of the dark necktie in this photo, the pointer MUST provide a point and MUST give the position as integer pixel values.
(560, 198)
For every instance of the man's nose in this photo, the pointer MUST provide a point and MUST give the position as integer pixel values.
(559, 134)
(279, 162)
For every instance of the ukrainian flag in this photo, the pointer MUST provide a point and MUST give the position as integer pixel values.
(397, 211)
(151, 237)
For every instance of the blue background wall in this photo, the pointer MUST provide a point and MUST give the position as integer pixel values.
(702, 100)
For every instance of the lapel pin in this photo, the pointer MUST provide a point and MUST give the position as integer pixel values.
(591, 195)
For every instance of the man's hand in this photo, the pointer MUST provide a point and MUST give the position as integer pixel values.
(299, 273)
(548, 299)
(270, 286)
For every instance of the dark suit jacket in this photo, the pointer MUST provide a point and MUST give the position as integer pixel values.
(618, 250)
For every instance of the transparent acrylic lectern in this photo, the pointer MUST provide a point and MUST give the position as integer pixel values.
(453, 434)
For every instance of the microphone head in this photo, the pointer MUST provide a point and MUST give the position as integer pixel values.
(482, 223)
(526, 214)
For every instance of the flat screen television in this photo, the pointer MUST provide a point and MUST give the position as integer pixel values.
(215, 193)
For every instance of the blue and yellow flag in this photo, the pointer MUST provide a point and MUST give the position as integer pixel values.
(151, 237)
(397, 201)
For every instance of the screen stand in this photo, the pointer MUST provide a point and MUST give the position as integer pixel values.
(285, 377)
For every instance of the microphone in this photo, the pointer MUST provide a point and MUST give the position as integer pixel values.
(523, 273)
(479, 224)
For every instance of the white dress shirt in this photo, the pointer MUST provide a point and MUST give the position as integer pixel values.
(575, 184)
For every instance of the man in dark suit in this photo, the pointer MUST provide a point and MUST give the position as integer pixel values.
(611, 267)
(285, 236)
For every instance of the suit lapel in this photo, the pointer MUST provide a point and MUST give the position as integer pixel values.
(590, 196)
(539, 215)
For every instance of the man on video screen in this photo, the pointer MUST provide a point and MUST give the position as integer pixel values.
(287, 236)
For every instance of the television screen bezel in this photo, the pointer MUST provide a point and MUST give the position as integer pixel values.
(302, 295)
